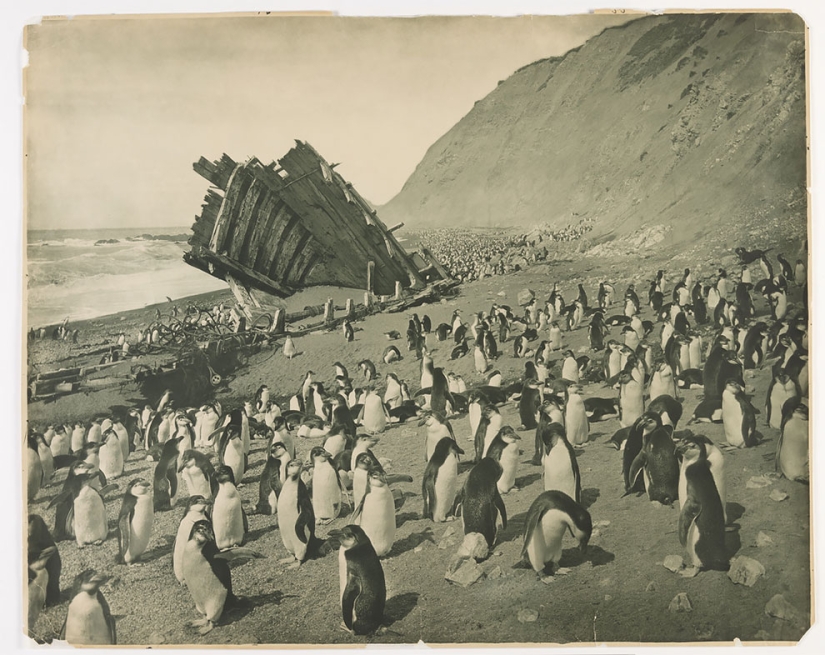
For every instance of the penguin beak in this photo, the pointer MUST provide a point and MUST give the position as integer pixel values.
(99, 579)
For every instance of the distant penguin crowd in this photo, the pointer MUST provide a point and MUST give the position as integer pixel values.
(320, 467)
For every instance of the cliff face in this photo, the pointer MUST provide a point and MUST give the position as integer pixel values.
(692, 122)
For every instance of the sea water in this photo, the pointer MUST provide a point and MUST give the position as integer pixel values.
(72, 274)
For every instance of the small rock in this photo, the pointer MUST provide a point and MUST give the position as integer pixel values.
(762, 635)
(495, 574)
(606, 582)
(563, 571)
(547, 579)
(156, 638)
(448, 539)
(703, 631)
(595, 533)
(475, 546)
(418, 548)
(689, 572)
(465, 573)
(601, 524)
(607, 598)
(673, 563)
(763, 540)
(758, 482)
(527, 616)
(745, 570)
(502, 293)
(525, 296)
(652, 586)
(656, 504)
(779, 496)
(680, 603)
(781, 609)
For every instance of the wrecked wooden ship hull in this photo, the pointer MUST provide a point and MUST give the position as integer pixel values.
(297, 223)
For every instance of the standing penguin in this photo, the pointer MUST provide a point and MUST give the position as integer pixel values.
(702, 521)
(506, 451)
(166, 475)
(35, 469)
(327, 490)
(374, 416)
(550, 516)
(738, 416)
(38, 583)
(437, 428)
(792, 449)
(272, 477)
(690, 448)
(481, 502)
(197, 508)
(111, 455)
(228, 516)
(296, 518)
(135, 522)
(575, 417)
(363, 590)
(529, 403)
(440, 484)
(89, 620)
(657, 459)
(376, 513)
(207, 575)
(480, 359)
(198, 474)
(570, 367)
(230, 451)
(662, 382)
(781, 389)
(39, 541)
(560, 468)
(489, 426)
(90, 521)
(289, 347)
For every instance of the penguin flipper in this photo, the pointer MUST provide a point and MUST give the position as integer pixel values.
(499, 503)
(110, 620)
(690, 512)
(245, 520)
(239, 554)
(124, 521)
(59, 498)
(348, 598)
(636, 469)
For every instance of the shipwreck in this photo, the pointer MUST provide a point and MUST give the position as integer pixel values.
(296, 223)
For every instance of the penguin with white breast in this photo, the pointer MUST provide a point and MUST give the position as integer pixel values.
(702, 519)
(89, 621)
(197, 509)
(166, 476)
(124, 437)
(440, 483)
(437, 428)
(135, 521)
(228, 516)
(657, 460)
(689, 449)
(111, 455)
(327, 490)
(34, 479)
(363, 591)
(738, 416)
(207, 423)
(198, 474)
(231, 451)
(376, 512)
(289, 348)
(477, 401)
(481, 503)
(374, 416)
(272, 478)
(39, 541)
(38, 582)
(441, 399)
(668, 408)
(208, 577)
(78, 438)
(549, 518)
(505, 449)
(662, 382)
(570, 367)
(560, 470)
(532, 397)
(633, 446)
(296, 517)
(480, 359)
(392, 395)
(90, 521)
(489, 426)
(792, 448)
(575, 417)
(549, 412)
(781, 389)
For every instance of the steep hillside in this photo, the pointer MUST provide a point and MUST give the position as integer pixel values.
(692, 122)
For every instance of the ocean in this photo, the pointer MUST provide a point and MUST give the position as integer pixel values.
(70, 276)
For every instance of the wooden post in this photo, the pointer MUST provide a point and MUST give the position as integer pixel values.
(397, 290)
(279, 322)
(367, 300)
(350, 308)
(329, 311)
(370, 273)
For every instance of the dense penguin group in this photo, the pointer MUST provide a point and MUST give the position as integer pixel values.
(320, 467)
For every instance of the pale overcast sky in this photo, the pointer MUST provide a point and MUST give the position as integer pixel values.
(118, 110)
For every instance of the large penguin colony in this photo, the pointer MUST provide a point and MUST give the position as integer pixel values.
(658, 368)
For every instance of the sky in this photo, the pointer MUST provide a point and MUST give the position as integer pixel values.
(117, 110)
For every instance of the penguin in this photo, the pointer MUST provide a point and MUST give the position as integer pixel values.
(662, 382)
(327, 489)
(89, 620)
(443, 331)
(505, 450)
(391, 354)
(437, 428)
(349, 332)
(208, 577)
(111, 455)
(480, 360)
(440, 483)
(375, 513)
(135, 521)
(792, 449)
(166, 476)
(363, 591)
(668, 408)
(570, 367)
(575, 417)
(90, 520)
(374, 415)
(657, 459)
(38, 583)
(781, 389)
(460, 350)
(702, 518)
(560, 470)
(197, 508)
(690, 378)
(531, 399)
(39, 541)
(289, 349)
(230, 451)
(799, 273)
(555, 336)
(296, 517)
(35, 469)
(272, 477)
(597, 331)
(489, 426)
(738, 416)
(550, 516)
(481, 502)
(688, 448)
(229, 520)
(78, 438)
(198, 474)
(633, 446)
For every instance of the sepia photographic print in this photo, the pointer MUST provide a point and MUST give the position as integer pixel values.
(454, 329)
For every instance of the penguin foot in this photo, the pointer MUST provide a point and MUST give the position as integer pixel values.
(204, 626)
(99, 542)
(295, 565)
(286, 560)
(344, 627)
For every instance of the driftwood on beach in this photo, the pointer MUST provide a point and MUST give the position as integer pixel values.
(297, 223)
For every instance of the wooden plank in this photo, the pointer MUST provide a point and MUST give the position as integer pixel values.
(247, 215)
(287, 250)
(306, 268)
(227, 213)
(263, 225)
(280, 222)
(270, 264)
(298, 252)
(242, 296)
(247, 275)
